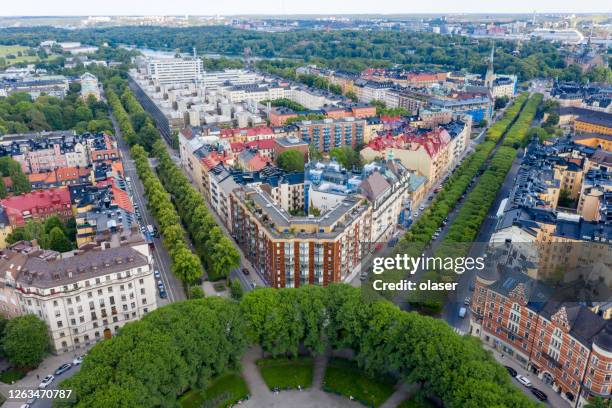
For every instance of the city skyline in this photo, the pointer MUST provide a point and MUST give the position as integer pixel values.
(282, 7)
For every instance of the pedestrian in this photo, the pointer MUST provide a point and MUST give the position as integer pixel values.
(37, 377)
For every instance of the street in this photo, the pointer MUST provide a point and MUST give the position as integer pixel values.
(162, 262)
(254, 279)
(554, 399)
(451, 309)
(34, 377)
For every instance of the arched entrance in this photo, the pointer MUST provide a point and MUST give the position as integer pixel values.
(547, 378)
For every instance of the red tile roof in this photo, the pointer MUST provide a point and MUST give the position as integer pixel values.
(432, 141)
(35, 202)
(246, 132)
(262, 144)
(120, 197)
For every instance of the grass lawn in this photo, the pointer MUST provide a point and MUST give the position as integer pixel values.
(345, 378)
(286, 373)
(223, 391)
(11, 375)
(12, 49)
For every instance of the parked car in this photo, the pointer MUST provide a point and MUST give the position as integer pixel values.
(63, 368)
(511, 371)
(160, 284)
(539, 394)
(46, 381)
(524, 380)
(78, 360)
(421, 208)
(466, 301)
(363, 276)
(157, 274)
(462, 312)
(163, 294)
(245, 271)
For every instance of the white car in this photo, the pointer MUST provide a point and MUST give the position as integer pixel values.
(46, 381)
(524, 380)
(78, 360)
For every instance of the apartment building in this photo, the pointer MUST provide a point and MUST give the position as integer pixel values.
(175, 70)
(253, 92)
(89, 86)
(37, 206)
(291, 251)
(52, 85)
(504, 86)
(63, 176)
(326, 134)
(368, 91)
(563, 342)
(47, 151)
(589, 121)
(101, 211)
(89, 295)
(430, 153)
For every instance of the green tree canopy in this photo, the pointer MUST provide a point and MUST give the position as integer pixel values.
(26, 341)
(346, 156)
(291, 160)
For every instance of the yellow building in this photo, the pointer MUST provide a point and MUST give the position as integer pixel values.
(593, 140)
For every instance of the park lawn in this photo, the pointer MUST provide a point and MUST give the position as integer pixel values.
(11, 375)
(345, 378)
(286, 373)
(11, 49)
(14, 49)
(223, 391)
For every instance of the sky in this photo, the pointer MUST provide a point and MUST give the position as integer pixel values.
(231, 7)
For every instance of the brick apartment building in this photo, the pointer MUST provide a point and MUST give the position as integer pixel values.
(329, 133)
(38, 206)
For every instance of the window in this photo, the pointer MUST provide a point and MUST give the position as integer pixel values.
(60, 324)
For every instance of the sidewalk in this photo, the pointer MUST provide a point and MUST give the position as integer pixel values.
(554, 399)
(33, 378)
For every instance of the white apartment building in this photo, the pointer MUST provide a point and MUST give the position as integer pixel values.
(216, 79)
(89, 296)
(253, 92)
(175, 70)
(309, 98)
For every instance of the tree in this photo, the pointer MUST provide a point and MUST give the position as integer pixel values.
(352, 96)
(58, 240)
(186, 266)
(552, 119)
(11, 168)
(314, 154)
(598, 402)
(196, 292)
(346, 156)
(3, 322)
(565, 199)
(26, 341)
(291, 160)
(236, 290)
(51, 223)
(501, 102)
(224, 257)
(483, 123)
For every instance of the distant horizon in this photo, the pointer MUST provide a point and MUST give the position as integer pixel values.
(275, 8)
